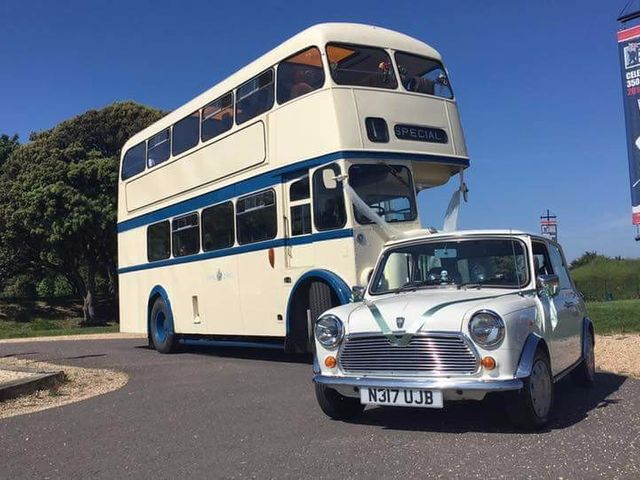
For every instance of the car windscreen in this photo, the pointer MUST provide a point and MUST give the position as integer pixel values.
(456, 263)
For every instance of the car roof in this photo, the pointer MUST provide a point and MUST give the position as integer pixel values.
(426, 235)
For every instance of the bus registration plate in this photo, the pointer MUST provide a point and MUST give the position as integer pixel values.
(401, 397)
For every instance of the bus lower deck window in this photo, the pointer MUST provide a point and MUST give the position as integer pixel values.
(185, 235)
(256, 217)
(217, 227)
(300, 219)
(328, 199)
(158, 241)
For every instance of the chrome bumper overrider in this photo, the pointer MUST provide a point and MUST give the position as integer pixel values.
(431, 384)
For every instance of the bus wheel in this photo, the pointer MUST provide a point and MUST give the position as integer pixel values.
(320, 300)
(161, 327)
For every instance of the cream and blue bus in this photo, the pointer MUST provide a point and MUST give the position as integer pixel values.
(234, 225)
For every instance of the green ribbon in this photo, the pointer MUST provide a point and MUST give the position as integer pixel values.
(402, 339)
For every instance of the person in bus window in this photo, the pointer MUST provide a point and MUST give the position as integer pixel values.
(300, 85)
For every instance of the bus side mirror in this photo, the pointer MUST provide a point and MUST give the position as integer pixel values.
(329, 179)
(357, 294)
(548, 284)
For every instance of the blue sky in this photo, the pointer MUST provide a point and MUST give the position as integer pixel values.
(538, 86)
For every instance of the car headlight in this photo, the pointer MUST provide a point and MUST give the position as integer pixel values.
(486, 328)
(329, 330)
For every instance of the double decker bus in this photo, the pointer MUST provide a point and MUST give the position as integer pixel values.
(234, 222)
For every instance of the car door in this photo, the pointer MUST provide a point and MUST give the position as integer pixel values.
(571, 303)
(556, 314)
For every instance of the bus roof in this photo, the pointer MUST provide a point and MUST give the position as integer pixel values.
(317, 35)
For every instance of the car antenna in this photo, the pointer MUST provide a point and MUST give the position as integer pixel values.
(515, 263)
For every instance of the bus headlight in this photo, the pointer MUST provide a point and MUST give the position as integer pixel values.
(486, 328)
(329, 330)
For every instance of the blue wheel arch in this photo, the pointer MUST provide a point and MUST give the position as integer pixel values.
(337, 284)
(156, 292)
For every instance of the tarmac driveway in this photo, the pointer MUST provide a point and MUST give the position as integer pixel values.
(236, 413)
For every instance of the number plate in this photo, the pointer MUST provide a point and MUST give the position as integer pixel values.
(401, 397)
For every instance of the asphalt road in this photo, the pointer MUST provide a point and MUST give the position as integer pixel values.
(224, 413)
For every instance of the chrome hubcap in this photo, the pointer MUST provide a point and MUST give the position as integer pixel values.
(540, 388)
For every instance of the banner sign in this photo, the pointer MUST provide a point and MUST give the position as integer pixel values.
(629, 48)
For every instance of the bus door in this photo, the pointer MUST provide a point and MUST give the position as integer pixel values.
(299, 250)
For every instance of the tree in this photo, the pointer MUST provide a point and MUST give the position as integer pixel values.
(58, 199)
(586, 257)
(7, 146)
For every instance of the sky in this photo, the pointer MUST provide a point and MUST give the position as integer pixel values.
(537, 83)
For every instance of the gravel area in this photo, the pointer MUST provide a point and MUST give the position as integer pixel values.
(10, 375)
(619, 354)
(80, 384)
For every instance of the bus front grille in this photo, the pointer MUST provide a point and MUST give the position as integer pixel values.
(426, 354)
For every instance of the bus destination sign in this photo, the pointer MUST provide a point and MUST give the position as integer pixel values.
(420, 134)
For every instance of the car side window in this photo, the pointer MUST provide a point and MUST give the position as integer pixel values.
(557, 261)
(541, 261)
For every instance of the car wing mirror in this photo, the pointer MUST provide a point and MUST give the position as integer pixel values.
(548, 284)
(357, 294)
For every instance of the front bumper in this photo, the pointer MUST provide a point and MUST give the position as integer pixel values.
(418, 384)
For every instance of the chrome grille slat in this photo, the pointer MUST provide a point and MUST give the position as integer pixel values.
(426, 354)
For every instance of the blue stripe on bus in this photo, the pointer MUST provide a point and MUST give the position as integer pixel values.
(253, 247)
(272, 178)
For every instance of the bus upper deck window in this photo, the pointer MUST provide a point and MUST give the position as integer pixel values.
(133, 162)
(254, 97)
(299, 74)
(217, 117)
(185, 134)
(357, 65)
(158, 148)
(423, 75)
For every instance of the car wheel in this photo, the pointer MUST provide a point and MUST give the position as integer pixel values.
(585, 373)
(337, 406)
(163, 335)
(530, 408)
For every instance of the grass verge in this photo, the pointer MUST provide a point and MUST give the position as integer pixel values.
(618, 316)
(40, 327)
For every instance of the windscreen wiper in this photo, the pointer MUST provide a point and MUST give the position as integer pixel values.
(477, 285)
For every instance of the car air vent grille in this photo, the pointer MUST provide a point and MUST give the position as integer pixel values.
(426, 354)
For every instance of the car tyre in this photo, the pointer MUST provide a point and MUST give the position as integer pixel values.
(337, 406)
(163, 336)
(530, 407)
(584, 374)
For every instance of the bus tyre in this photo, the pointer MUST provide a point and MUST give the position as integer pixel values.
(337, 406)
(584, 374)
(319, 302)
(530, 407)
(163, 336)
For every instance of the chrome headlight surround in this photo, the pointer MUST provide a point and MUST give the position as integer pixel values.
(487, 328)
(329, 331)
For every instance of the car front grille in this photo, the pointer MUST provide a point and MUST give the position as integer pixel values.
(426, 354)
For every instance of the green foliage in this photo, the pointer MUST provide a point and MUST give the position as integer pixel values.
(605, 278)
(586, 258)
(58, 200)
(622, 316)
(54, 286)
(7, 146)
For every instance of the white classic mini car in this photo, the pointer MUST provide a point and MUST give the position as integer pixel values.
(454, 317)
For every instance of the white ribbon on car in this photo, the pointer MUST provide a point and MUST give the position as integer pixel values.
(451, 216)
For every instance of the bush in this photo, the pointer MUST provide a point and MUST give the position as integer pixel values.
(605, 278)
